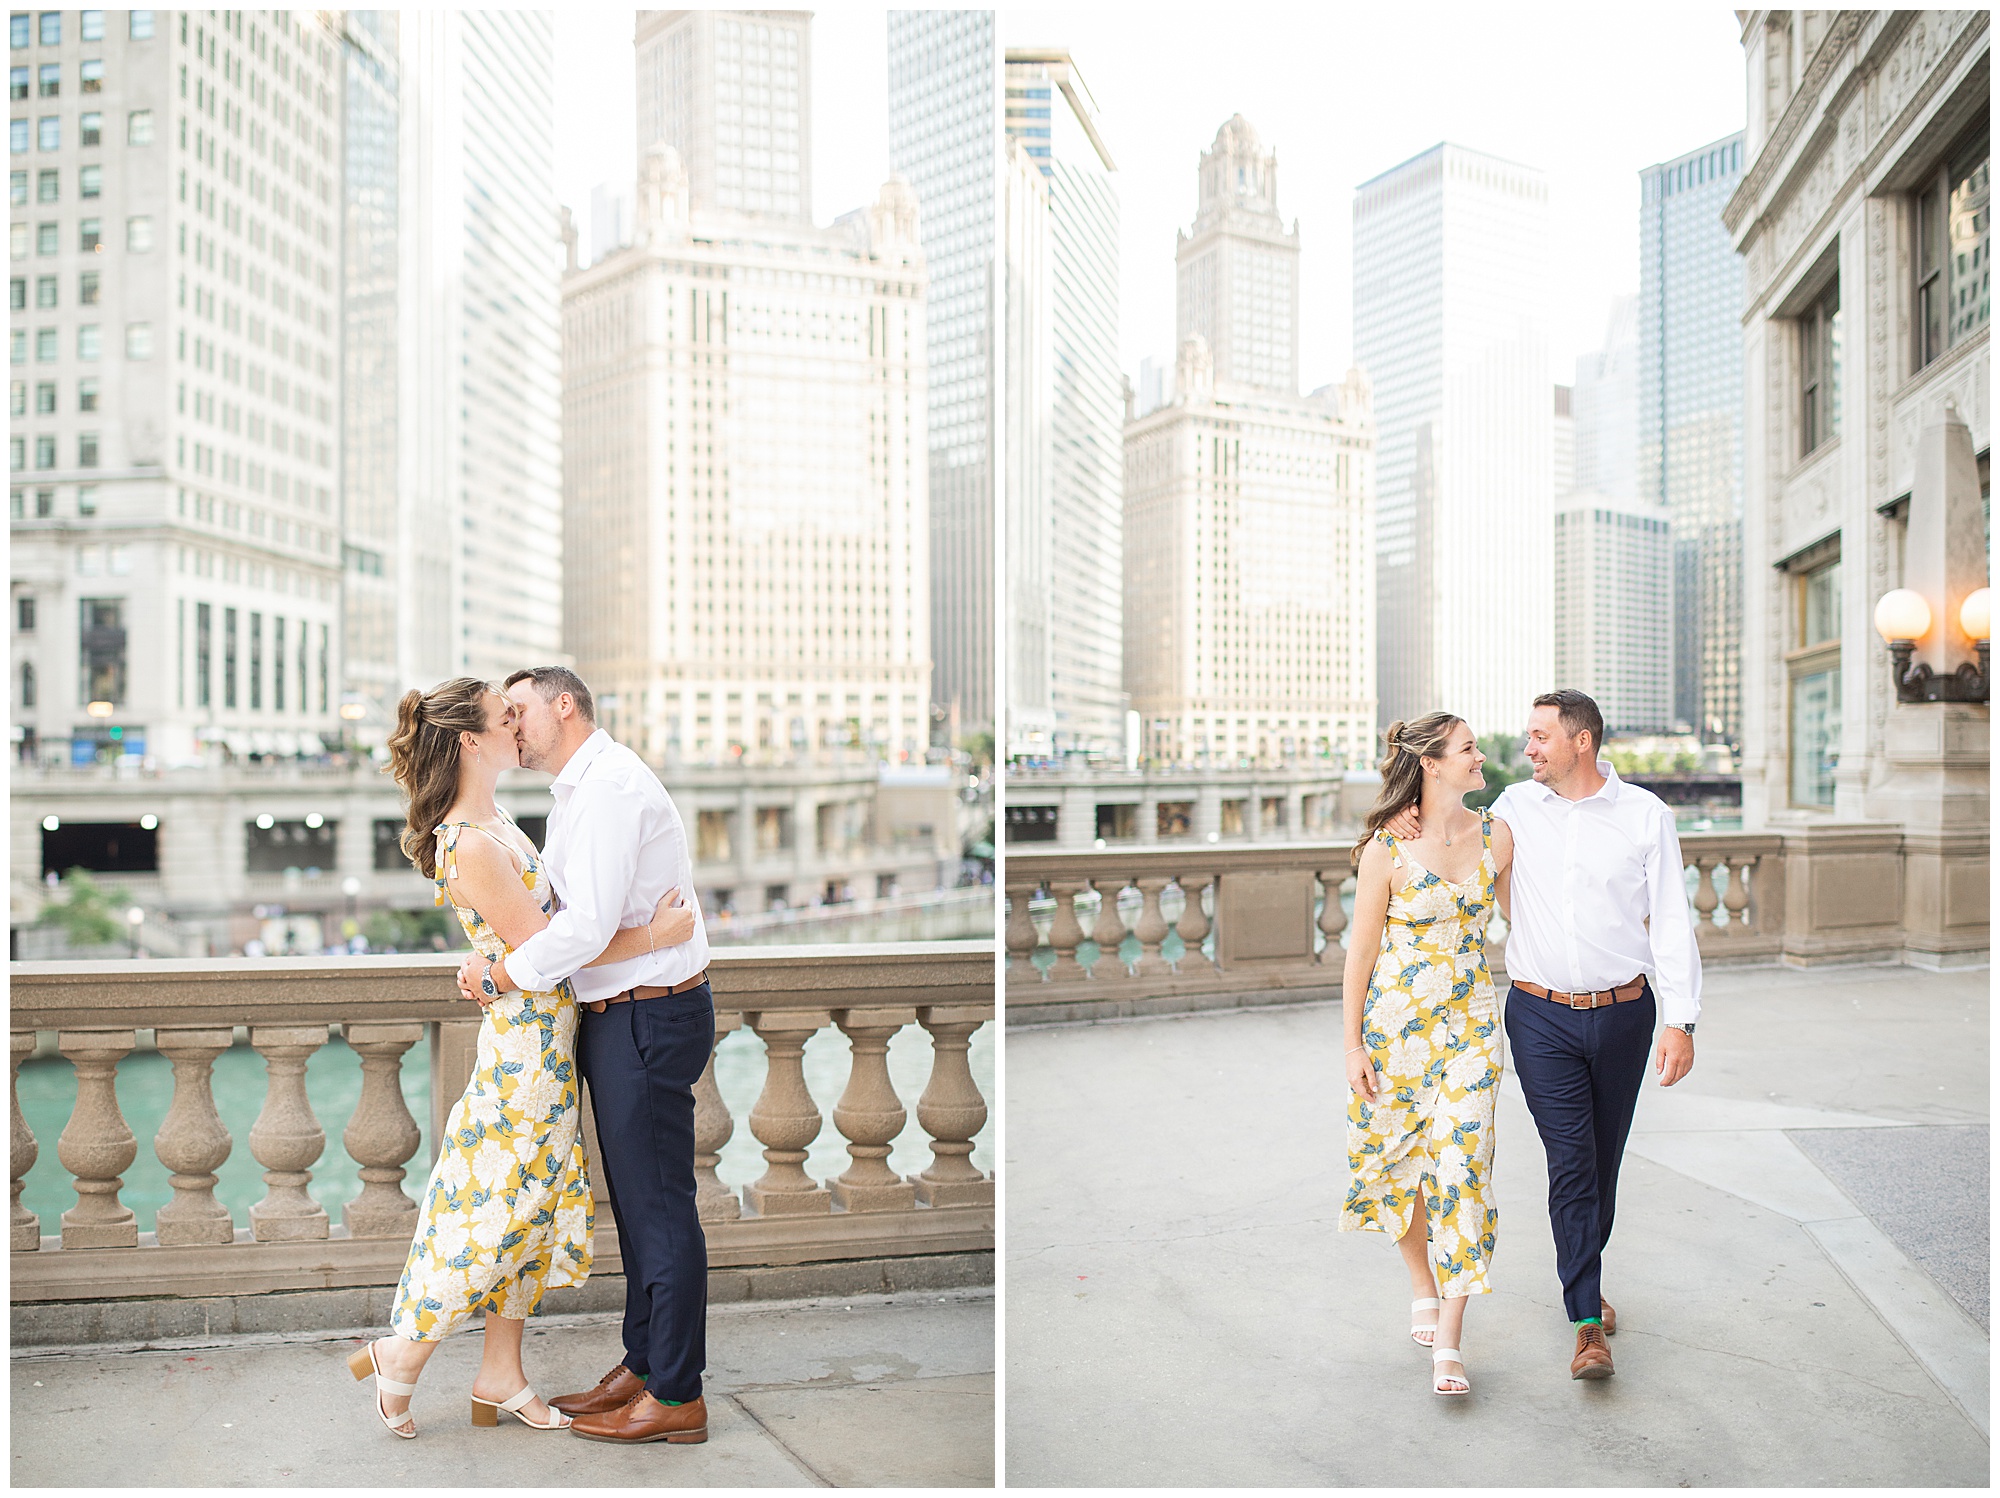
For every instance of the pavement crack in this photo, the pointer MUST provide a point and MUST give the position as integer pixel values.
(1792, 1369)
(779, 1441)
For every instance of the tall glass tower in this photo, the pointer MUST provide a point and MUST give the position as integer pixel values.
(944, 73)
(1052, 117)
(1690, 446)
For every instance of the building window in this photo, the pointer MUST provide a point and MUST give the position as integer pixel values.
(17, 137)
(17, 84)
(86, 450)
(139, 234)
(1954, 253)
(45, 398)
(1812, 666)
(90, 235)
(45, 345)
(27, 684)
(24, 613)
(51, 28)
(91, 76)
(45, 291)
(277, 663)
(86, 395)
(50, 80)
(139, 128)
(17, 31)
(87, 341)
(102, 650)
(86, 289)
(17, 189)
(288, 845)
(90, 25)
(256, 661)
(17, 453)
(17, 294)
(48, 132)
(86, 499)
(138, 340)
(45, 503)
(1819, 369)
(48, 187)
(142, 26)
(202, 643)
(45, 238)
(90, 182)
(45, 452)
(17, 398)
(90, 127)
(229, 657)
(17, 345)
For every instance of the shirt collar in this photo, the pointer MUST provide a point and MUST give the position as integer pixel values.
(1607, 792)
(586, 753)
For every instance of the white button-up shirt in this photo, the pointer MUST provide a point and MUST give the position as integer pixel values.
(1599, 895)
(615, 845)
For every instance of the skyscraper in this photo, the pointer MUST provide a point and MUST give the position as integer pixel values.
(1690, 419)
(1248, 558)
(453, 507)
(731, 92)
(944, 78)
(1052, 118)
(1237, 271)
(1613, 608)
(176, 283)
(1604, 402)
(1450, 325)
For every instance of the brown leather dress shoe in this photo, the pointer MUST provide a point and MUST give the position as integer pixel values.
(644, 1418)
(1592, 1360)
(613, 1391)
(1610, 1317)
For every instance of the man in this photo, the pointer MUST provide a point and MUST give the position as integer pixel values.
(1600, 933)
(615, 845)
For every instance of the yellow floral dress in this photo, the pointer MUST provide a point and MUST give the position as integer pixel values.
(508, 1212)
(1431, 1025)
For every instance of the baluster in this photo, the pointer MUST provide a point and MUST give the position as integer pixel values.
(1193, 924)
(1151, 931)
(381, 1135)
(1332, 917)
(1109, 930)
(1704, 897)
(193, 1142)
(951, 1110)
(1736, 896)
(870, 1114)
(287, 1139)
(785, 1120)
(27, 1227)
(96, 1144)
(1021, 939)
(1066, 933)
(713, 1126)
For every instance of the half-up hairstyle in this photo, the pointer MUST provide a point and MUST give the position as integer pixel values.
(1403, 768)
(424, 755)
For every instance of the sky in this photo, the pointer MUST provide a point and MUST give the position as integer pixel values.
(1588, 94)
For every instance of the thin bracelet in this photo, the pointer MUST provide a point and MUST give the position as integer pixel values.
(649, 938)
(1353, 1048)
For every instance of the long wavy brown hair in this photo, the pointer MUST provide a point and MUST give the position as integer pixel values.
(1403, 769)
(424, 755)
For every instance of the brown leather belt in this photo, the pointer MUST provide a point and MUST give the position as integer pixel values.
(1596, 1000)
(596, 1006)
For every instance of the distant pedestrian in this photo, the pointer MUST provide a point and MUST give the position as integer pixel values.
(1599, 920)
(1422, 1031)
(507, 1213)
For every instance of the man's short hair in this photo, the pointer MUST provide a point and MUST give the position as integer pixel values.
(1578, 714)
(552, 681)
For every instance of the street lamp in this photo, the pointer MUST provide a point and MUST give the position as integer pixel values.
(1903, 617)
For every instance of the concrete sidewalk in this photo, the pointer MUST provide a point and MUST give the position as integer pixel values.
(1182, 1310)
(874, 1391)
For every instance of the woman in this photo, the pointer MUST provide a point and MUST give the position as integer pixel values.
(507, 1215)
(1423, 1049)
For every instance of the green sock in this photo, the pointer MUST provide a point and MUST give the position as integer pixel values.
(1588, 1321)
(672, 1404)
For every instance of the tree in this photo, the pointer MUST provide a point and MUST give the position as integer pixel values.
(1504, 765)
(87, 917)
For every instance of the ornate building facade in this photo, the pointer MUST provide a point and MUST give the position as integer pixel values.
(1864, 225)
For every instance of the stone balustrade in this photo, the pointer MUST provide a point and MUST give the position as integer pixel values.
(1127, 932)
(384, 1006)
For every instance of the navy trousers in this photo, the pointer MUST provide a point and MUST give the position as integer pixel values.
(1580, 1071)
(642, 1060)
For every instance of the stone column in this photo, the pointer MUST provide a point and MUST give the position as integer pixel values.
(97, 1145)
(287, 1139)
(951, 1110)
(1193, 924)
(1253, 812)
(1149, 816)
(1332, 918)
(27, 1227)
(1109, 929)
(785, 1120)
(1021, 941)
(869, 1114)
(192, 1142)
(1065, 932)
(713, 1127)
(1207, 812)
(381, 1136)
(1151, 929)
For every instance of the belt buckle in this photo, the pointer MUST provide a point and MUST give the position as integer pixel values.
(1589, 1001)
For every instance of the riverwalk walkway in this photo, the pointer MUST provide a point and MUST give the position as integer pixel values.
(870, 1391)
(1800, 1262)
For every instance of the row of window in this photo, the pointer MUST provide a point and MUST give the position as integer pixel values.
(44, 509)
(89, 237)
(45, 452)
(22, 31)
(48, 185)
(89, 344)
(89, 291)
(46, 132)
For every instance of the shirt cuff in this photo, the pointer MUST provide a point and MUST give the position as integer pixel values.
(522, 973)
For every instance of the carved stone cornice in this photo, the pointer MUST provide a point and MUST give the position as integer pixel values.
(1805, 100)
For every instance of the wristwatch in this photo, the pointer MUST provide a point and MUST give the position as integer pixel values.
(1686, 1029)
(486, 984)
